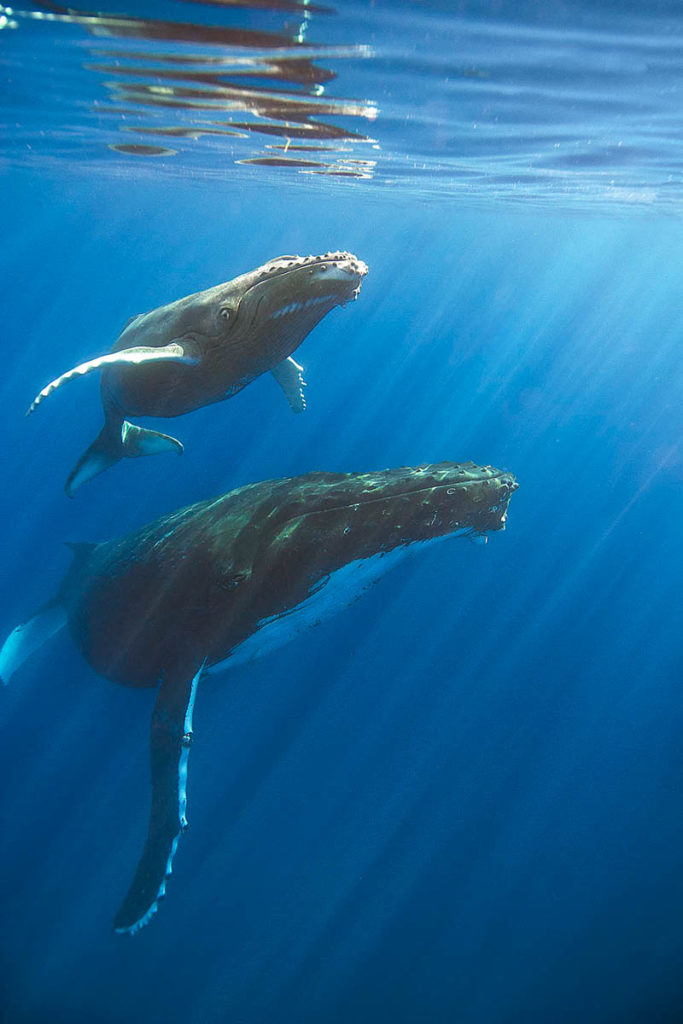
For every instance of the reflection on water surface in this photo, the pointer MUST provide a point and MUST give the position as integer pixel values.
(263, 83)
(512, 99)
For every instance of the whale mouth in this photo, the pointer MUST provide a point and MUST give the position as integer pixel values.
(307, 285)
(297, 307)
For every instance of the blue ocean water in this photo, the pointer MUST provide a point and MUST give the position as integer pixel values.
(460, 800)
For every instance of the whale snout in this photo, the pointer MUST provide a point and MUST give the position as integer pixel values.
(300, 290)
(341, 262)
(458, 496)
(340, 267)
(507, 485)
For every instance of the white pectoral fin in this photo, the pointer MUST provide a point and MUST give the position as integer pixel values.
(176, 352)
(289, 375)
(28, 637)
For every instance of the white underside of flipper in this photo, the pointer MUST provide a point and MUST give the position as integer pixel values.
(175, 352)
(290, 376)
(27, 638)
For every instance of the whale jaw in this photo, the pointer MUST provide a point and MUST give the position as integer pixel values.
(288, 296)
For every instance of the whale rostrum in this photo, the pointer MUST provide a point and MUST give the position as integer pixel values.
(205, 348)
(228, 579)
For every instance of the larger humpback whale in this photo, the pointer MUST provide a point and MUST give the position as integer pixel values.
(207, 347)
(227, 579)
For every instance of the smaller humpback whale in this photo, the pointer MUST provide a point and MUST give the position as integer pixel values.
(228, 579)
(207, 347)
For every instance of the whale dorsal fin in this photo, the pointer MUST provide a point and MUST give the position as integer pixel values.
(175, 351)
(130, 320)
(80, 549)
(171, 736)
(290, 377)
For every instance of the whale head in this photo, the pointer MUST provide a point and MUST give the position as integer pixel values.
(240, 328)
(331, 519)
(285, 298)
(323, 538)
(288, 295)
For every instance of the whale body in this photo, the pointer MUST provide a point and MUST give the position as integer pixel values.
(205, 348)
(228, 579)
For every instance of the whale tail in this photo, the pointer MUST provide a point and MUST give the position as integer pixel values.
(29, 636)
(118, 440)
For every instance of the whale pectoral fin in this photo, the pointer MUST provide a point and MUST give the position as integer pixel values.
(171, 735)
(178, 352)
(28, 637)
(289, 375)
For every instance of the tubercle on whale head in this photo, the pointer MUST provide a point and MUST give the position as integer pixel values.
(462, 496)
(340, 259)
(438, 500)
(360, 515)
(293, 292)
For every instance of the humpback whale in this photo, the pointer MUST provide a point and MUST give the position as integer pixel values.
(207, 347)
(222, 581)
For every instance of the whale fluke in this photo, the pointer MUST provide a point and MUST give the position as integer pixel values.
(175, 352)
(115, 442)
(28, 637)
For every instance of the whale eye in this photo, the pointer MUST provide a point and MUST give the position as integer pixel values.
(225, 313)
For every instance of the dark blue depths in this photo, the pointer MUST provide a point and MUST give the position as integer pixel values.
(461, 799)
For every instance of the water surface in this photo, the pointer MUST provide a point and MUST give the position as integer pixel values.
(460, 799)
